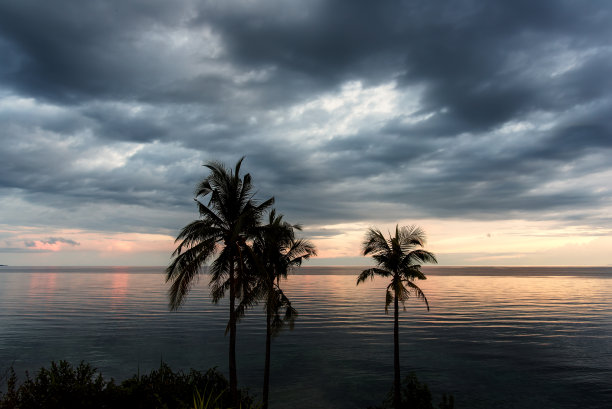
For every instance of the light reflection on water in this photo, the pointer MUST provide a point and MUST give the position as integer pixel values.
(493, 341)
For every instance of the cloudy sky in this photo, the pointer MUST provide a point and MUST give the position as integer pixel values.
(487, 123)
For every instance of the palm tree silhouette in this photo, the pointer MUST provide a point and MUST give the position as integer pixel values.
(277, 251)
(225, 224)
(397, 257)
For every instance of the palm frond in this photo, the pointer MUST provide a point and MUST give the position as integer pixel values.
(238, 165)
(194, 235)
(299, 250)
(218, 289)
(418, 292)
(388, 300)
(399, 291)
(279, 302)
(258, 210)
(182, 272)
(371, 273)
(217, 177)
(383, 259)
(411, 272)
(247, 301)
(423, 256)
(291, 315)
(375, 242)
(200, 251)
(246, 187)
(411, 236)
(203, 188)
(210, 216)
(219, 274)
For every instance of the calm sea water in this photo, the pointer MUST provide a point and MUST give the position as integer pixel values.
(494, 338)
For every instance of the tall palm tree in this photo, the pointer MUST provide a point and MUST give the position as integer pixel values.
(226, 222)
(277, 251)
(397, 257)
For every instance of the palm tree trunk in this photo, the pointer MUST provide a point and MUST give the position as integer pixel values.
(266, 384)
(232, 347)
(396, 360)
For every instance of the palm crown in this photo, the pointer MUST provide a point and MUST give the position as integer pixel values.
(398, 257)
(225, 224)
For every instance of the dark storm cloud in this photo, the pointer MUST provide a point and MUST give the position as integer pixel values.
(110, 104)
(322, 43)
(67, 51)
(494, 62)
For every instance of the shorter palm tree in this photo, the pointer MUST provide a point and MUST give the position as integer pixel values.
(398, 257)
(276, 251)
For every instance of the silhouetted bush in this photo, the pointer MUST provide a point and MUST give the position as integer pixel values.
(416, 395)
(63, 386)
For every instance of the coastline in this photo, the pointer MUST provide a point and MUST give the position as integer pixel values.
(493, 271)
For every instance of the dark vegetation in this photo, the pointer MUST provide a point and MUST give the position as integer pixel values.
(414, 395)
(64, 386)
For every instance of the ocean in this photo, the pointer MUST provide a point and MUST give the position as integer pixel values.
(526, 337)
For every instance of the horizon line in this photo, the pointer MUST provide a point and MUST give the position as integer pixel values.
(330, 266)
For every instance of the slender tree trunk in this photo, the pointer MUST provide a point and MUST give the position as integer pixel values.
(266, 384)
(232, 347)
(396, 359)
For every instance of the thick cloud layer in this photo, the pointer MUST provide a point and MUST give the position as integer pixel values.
(346, 110)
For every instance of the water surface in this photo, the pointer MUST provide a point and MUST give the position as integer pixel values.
(514, 338)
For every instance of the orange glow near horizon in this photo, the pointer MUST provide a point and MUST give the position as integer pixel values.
(509, 242)
(456, 242)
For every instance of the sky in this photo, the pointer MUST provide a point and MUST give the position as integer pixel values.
(487, 123)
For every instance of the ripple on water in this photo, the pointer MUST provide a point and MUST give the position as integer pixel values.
(492, 341)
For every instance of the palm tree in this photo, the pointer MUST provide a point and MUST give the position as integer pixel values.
(277, 251)
(224, 226)
(397, 257)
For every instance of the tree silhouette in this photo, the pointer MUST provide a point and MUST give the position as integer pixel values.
(276, 252)
(226, 222)
(397, 257)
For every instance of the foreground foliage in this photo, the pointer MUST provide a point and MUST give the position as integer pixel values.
(415, 395)
(64, 386)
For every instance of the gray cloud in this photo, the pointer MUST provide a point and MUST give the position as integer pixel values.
(21, 250)
(498, 110)
(52, 240)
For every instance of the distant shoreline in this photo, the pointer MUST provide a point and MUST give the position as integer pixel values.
(522, 271)
(495, 271)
